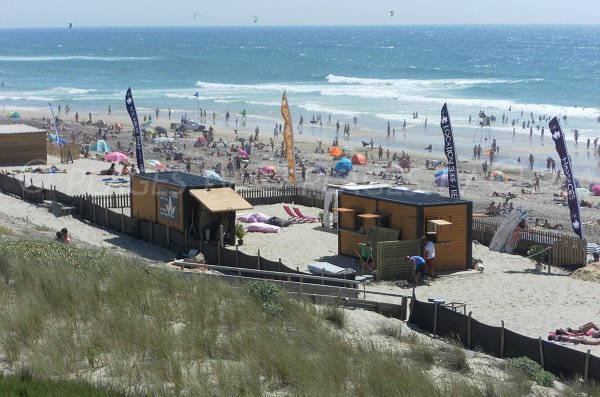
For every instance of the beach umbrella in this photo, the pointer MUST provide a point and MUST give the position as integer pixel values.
(100, 124)
(156, 164)
(499, 176)
(268, 170)
(359, 158)
(344, 164)
(243, 153)
(441, 172)
(441, 180)
(118, 125)
(335, 151)
(210, 174)
(100, 146)
(396, 169)
(161, 130)
(14, 115)
(117, 157)
(163, 140)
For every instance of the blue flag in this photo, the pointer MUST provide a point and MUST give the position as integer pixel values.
(197, 94)
(139, 150)
(565, 161)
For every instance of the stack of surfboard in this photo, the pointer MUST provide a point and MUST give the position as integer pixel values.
(503, 240)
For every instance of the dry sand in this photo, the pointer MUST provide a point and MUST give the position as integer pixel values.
(530, 303)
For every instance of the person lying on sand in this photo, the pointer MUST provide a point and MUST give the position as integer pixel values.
(547, 225)
(589, 329)
(573, 339)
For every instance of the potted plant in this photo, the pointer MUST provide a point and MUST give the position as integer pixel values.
(537, 252)
(240, 232)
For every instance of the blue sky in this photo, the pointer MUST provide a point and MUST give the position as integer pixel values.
(48, 13)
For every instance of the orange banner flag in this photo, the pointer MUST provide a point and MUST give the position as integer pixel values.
(288, 139)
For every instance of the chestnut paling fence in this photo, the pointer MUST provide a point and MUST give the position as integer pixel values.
(438, 319)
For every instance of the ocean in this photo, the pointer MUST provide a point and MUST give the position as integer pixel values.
(377, 74)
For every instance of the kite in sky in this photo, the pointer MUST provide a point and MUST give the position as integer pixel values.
(70, 25)
(254, 19)
(391, 13)
(196, 14)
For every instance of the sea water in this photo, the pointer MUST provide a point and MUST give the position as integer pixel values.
(376, 74)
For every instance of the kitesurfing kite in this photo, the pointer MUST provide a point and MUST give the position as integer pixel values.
(391, 13)
(254, 19)
(70, 25)
(196, 14)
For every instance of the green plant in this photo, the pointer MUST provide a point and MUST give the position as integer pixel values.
(270, 296)
(6, 231)
(334, 314)
(453, 356)
(537, 252)
(240, 232)
(43, 228)
(532, 369)
(320, 216)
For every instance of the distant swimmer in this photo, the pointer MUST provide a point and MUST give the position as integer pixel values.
(70, 25)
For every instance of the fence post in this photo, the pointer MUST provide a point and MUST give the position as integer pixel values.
(237, 256)
(94, 213)
(502, 340)
(469, 330)
(114, 200)
(587, 366)
(81, 206)
(123, 225)
(541, 352)
(168, 236)
(219, 254)
(404, 308)
(435, 313)
(258, 260)
(107, 218)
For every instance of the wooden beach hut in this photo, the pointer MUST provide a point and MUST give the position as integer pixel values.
(22, 144)
(192, 204)
(407, 214)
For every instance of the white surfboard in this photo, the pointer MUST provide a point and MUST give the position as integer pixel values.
(506, 230)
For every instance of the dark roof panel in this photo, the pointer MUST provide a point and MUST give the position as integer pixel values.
(409, 197)
(183, 179)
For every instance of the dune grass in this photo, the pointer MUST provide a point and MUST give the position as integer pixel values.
(88, 316)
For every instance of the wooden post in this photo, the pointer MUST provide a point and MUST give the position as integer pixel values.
(469, 330)
(502, 340)
(237, 257)
(280, 264)
(219, 254)
(404, 308)
(123, 225)
(258, 260)
(107, 218)
(221, 235)
(435, 314)
(541, 352)
(114, 199)
(94, 213)
(587, 366)
(168, 236)
(81, 206)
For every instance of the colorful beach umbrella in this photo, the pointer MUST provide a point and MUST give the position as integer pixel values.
(335, 151)
(268, 170)
(14, 115)
(117, 157)
(210, 174)
(243, 153)
(156, 164)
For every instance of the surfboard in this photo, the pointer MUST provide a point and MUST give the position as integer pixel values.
(506, 230)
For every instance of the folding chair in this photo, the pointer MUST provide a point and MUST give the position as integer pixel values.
(292, 217)
(305, 217)
(365, 257)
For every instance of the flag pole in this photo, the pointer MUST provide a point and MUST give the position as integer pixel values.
(3, 97)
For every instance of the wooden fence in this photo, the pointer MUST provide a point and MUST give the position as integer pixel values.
(565, 250)
(284, 194)
(108, 201)
(63, 151)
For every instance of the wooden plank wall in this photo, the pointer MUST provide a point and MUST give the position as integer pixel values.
(391, 264)
(177, 226)
(349, 242)
(402, 217)
(143, 202)
(453, 255)
(23, 149)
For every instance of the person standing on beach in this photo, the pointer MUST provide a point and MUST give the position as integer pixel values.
(531, 161)
(337, 127)
(109, 110)
(90, 116)
(536, 182)
(428, 254)
(77, 117)
(380, 153)
(169, 113)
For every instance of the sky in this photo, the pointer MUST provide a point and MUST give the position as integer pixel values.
(86, 13)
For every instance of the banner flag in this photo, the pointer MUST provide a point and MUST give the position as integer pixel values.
(450, 152)
(565, 161)
(197, 94)
(288, 138)
(54, 126)
(139, 149)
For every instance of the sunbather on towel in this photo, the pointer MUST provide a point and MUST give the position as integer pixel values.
(573, 339)
(589, 329)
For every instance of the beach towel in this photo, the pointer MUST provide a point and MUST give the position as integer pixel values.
(263, 228)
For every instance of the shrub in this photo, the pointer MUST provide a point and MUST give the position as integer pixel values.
(270, 296)
(335, 315)
(532, 369)
(454, 357)
(537, 253)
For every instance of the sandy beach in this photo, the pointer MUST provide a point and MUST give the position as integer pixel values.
(508, 289)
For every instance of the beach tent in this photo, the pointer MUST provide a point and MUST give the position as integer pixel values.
(359, 159)
(243, 153)
(210, 174)
(161, 130)
(596, 190)
(156, 164)
(499, 176)
(335, 151)
(395, 169)
(163, 140)
(14, 115)
(441, 180)
(343, 165)
(100, 124)
(320, 167)
(100, 146)
(441, 172)
(268, 170)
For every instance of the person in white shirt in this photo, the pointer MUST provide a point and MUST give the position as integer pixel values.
(428, 254)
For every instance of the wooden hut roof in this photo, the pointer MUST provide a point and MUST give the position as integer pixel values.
(183, 179)
(405, 196)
